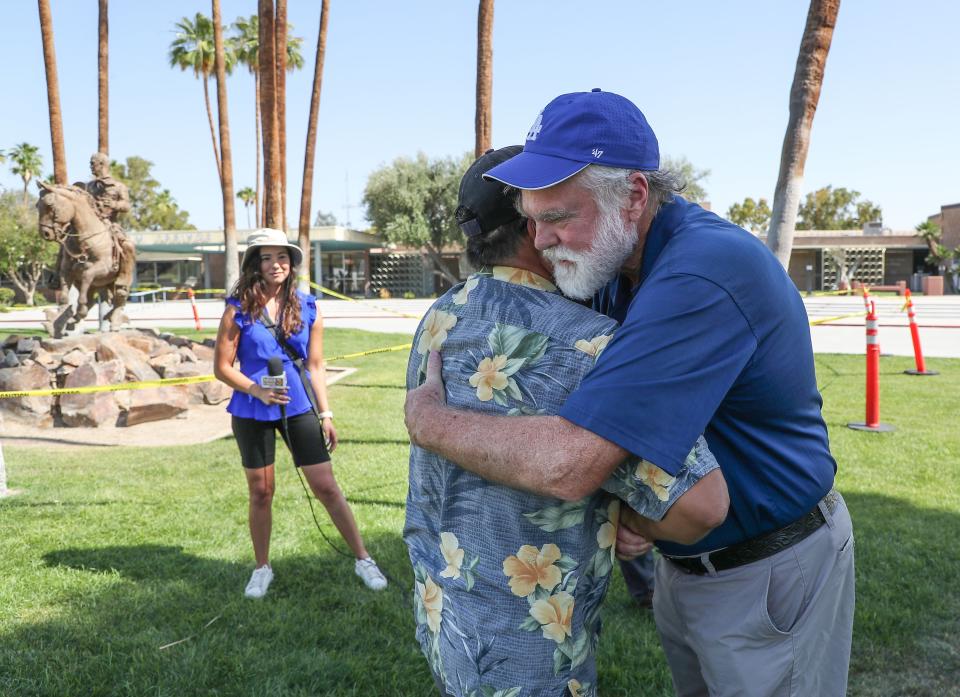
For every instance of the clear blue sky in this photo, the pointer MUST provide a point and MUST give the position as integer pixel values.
(712, 78)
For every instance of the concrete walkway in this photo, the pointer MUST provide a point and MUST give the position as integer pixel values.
(938, 318)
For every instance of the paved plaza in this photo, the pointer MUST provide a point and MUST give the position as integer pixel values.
(938, 318)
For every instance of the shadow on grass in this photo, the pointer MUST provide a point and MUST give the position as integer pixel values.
(318, 630)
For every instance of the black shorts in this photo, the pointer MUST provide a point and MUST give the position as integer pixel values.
(258, 440)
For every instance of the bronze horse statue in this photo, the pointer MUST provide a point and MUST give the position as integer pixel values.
(87, 258)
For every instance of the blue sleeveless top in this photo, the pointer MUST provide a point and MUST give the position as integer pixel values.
(257, 345)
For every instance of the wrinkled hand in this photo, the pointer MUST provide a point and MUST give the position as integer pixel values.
(330, 434)
(632, 540)
(424, 399)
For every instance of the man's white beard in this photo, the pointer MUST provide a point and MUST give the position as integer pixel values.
(613, 244)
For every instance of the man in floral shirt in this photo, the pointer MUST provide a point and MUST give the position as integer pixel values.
(509, 583)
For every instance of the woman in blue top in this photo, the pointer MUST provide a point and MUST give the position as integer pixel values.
(264, 301)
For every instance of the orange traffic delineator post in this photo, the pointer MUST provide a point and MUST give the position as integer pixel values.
(866, 299)
(193, 305)
(921, 368)
(872, 421)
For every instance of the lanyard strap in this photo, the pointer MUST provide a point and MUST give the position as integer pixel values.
(297, 360)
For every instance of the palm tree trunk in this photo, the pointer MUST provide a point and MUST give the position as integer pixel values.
(268, 113)
(232, 261)
(484, 116)
(256, 200)
(280, 49)
(53, 93)
(103, 101)
(804, 96)
(306, 191)
(213, 131)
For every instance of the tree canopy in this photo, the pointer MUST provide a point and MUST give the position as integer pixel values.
(751, 215)
(325, 218)
(693, 177)
(24, 254)
(412, 202)
(836, 209)
(151, 208)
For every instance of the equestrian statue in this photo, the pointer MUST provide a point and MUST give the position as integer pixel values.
(96, 256)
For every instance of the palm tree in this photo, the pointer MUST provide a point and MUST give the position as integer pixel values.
(232, 257)
(272, 207)
(26, 163)
(280, 53)
(193, 48)
(103, 111)
(249, 197)
(246, 45)
(53, 94)
(306, 191)
(484, 117)
(804, 96)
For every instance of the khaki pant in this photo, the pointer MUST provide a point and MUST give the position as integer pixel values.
(779, 627)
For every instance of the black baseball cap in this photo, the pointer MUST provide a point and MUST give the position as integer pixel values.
(482, 205)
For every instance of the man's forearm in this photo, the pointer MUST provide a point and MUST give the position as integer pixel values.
(542, 454)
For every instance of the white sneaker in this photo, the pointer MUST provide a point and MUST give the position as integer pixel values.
(259, 582)
(368, 570)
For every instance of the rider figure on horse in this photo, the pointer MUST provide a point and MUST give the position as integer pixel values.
(112, 199)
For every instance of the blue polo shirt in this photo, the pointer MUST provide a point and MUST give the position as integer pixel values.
(715, 340)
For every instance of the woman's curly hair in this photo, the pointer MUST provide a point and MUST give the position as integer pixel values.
(250, 290)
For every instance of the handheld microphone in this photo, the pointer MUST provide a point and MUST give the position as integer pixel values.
(275, 379)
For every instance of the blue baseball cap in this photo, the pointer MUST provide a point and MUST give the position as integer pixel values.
(576, 130)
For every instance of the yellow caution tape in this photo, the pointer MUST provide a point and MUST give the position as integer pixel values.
(142, 385)
(834, 319)
(167, 382)
(399, 347)
(340, 296)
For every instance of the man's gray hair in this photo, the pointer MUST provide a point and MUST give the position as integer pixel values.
(611, 185)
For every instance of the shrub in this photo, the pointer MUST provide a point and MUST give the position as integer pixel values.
(6, 296)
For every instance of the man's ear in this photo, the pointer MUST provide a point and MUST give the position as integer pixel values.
(531, 228)
(639, 195)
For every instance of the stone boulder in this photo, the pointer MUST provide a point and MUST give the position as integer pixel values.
(85, 341)
(202, 352)
(10, 359)
(135, 362)
(77, 357)
(154, 404)
(212, 392)
(32, 410)
(96, 408)
(164, 362)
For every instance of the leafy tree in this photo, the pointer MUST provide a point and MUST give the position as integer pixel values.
(413, 201)
(25, 163)
(836, 209)
(151, 208)
(324, 218)
(693, 177)
(941, 256)
(24, 254)
(751, 215)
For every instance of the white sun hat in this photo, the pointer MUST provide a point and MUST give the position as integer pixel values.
(268, 237)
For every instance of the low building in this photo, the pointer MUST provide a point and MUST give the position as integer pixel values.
(339, 257)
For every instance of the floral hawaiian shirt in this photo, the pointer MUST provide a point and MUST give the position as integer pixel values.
(508, 584)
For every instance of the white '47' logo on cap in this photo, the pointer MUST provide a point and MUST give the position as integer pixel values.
(535, 128)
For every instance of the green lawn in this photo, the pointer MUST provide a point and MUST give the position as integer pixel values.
(111, 554)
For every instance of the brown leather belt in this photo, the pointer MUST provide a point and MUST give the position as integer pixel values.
(761, 547)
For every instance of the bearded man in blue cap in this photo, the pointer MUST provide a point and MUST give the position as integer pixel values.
(714, 341)
(509, 583)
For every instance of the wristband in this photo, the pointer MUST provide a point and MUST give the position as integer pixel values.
(326, 414)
